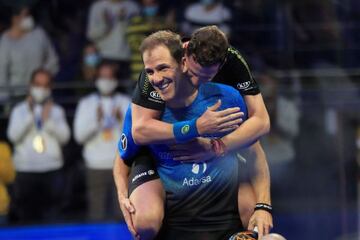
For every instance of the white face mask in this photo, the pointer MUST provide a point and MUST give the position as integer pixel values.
(27, 23)
(106, 86)
(39, 94)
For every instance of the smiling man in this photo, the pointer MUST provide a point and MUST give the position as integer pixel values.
(194, 187)
(201, 198)
(208, 57)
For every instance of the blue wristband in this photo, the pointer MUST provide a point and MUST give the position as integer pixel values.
(185, 131)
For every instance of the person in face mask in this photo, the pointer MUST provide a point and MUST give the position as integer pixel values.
(24, 47)
(150, 20)
(22, 22)
(38, 129)
(91, 59)
(97, 126)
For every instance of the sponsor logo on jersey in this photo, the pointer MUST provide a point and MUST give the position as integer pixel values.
(154, 94)
(185, 129)
(243, 85)
(123, 140)
(196, 168)
(194, 181)
(189, 182)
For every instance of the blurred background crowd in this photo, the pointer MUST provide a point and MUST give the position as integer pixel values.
(67, 70)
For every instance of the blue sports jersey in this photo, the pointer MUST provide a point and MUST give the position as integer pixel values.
(126, 145)
(200, 195)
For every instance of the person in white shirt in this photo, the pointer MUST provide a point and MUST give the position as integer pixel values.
(97, 126)
(206, 12)
(38, 130)
(24, 47)
(107, 23)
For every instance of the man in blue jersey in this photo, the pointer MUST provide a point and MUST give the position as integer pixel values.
(208, 57)
(201, 197)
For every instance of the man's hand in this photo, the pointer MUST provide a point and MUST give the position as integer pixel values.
(46, 111)
(127, 209)
(100, 113)
(117, 113)
(262, 220)
(213, 121)
(196, 150)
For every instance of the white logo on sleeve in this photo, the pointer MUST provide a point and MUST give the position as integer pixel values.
(243, 85)
(123, 140)
(154, 94)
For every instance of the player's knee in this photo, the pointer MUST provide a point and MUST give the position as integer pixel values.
(147, 225)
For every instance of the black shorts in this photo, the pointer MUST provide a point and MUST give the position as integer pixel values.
(143, 169)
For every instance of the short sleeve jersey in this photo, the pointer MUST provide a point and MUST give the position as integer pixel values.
(235, 72)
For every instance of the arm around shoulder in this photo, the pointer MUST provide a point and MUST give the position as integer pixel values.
(146, 128)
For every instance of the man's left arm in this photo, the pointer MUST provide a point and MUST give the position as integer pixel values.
(253, 128)
(260, 180)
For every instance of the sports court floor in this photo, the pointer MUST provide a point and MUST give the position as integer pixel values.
(105, 231)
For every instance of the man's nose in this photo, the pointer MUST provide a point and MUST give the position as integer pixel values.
(156, 79)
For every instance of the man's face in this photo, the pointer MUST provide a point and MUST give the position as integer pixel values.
(163, 71)
(41, 80)
(197, 73)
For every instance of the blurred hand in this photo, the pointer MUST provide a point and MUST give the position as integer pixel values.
(47, 110)
(196, 150)
(30, 102)
(122, 14)
(213, 121)
(118, 115)
(262, 220)
(108, 19)
(100, 113)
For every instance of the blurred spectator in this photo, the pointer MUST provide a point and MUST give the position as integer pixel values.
(91, 59)
(24, 47)
(97, 125)
(38, 129)
(141, 26)
(206, 12)
(7, 175)
(107, 24)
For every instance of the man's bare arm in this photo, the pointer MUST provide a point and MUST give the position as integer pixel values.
(147, 129)
(121, 173)
(261, 174)
(257, 124)
(260, 181)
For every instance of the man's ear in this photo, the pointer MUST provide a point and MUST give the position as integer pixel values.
(183, 64)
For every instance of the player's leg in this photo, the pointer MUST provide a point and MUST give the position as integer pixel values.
(146, 193)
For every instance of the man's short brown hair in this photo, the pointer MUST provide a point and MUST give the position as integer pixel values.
(40, 71)
(208, 45)
(169, 39)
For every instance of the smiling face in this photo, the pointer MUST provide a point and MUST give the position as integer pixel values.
(163, 70)
(197, 73)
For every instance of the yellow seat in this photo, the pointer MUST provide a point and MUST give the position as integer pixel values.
(7, 176)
